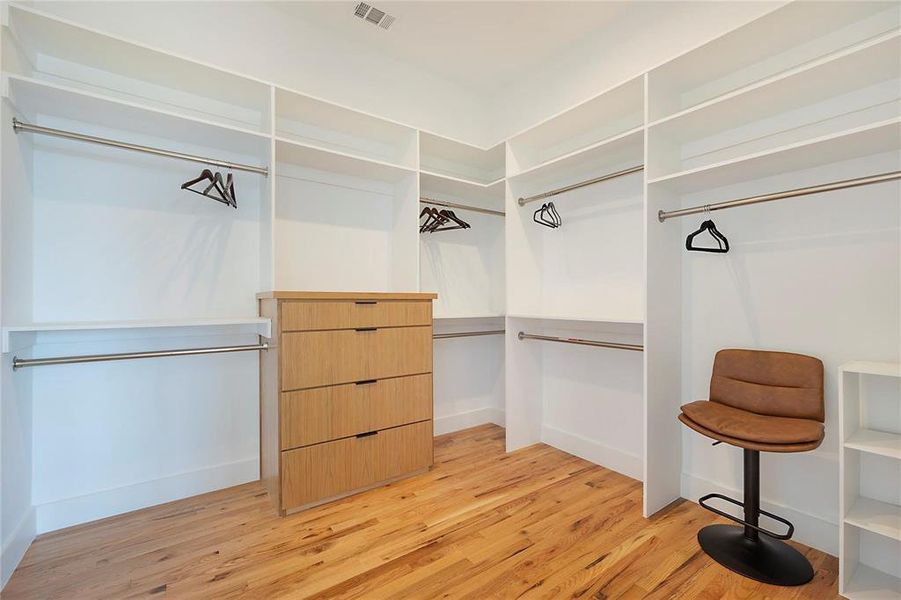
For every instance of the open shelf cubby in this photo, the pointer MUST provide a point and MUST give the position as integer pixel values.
(319, 124)
(854, 88)
(51, 50)
(870, 484)
(797, 35)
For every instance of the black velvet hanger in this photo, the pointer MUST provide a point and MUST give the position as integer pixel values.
(218, 190)
(548, 216)
(719, 238)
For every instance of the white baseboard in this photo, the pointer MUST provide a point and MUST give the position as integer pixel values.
(609, 458)
(106, 503)
(15, 545)
(811, 530)
(470, 418)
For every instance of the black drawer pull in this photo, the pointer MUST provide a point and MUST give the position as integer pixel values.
(367, 329)
(367, 381)
(367, 434)
(366, 302)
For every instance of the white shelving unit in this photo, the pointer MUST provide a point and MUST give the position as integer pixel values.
(870, 480)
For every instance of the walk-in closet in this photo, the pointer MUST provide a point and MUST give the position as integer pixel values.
(544, 299)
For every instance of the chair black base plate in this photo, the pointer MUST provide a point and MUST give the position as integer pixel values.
(764, 559)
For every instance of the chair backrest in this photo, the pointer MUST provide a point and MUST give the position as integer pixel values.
(779, 384)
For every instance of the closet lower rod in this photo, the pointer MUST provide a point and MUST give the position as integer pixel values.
(581, 342)
(487, 211)
(19, 363)
(71, 135)
(444, 336)
(581, 184)
(663, 215)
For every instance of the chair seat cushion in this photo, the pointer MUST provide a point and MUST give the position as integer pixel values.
(751, 430)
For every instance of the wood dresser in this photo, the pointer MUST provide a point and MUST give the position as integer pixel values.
(345, 393)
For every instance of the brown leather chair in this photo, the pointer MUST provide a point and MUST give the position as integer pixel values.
(759, 401)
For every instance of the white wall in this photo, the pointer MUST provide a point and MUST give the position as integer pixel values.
(258, 40)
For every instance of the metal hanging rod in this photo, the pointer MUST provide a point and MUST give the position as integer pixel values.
(19, 126)
(581, 342)
(459, 334)
(581, 184)
(19, 363)
(663, 215)
(487, 211)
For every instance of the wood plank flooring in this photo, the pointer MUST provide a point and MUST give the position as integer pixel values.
(537, 523)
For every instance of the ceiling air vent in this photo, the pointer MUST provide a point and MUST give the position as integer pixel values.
(373, 15)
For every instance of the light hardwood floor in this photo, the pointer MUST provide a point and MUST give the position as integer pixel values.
(537, 523)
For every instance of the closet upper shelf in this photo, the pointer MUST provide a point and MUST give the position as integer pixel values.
(50, 104)
(321, 159)
(345, 131)
(258, 325)
(858, 142)
(444, 157)
(621, 151)
(606, 117)
(53, 50)
(851, 88)
(767, 48)
(488, 196)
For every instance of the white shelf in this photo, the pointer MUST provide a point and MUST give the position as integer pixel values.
(877, 517)
(322, 159)
(612, 154)
(604, 117)
(55, 50)
(872, 368)
(262, 325)
(869, 584)
(467, 317)
(456, 160)
(35, 100)
(578, 319)
(846, 70)
(795, 34)
(316, 123)
(858, 142)
(487, 195)
(875, 442)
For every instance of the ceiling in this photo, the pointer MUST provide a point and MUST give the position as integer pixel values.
(478, 45)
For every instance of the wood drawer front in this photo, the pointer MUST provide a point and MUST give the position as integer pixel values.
(325, 470)
(312, 316)
(319, 358)
(328, 413)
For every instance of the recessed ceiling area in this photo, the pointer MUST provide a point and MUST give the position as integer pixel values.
(478, 45)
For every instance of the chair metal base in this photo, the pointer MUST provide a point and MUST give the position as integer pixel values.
(763, 559)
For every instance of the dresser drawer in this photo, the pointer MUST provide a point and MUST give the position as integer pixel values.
(318, 358)
(332, 468)
(338, 411)
(312, 316)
